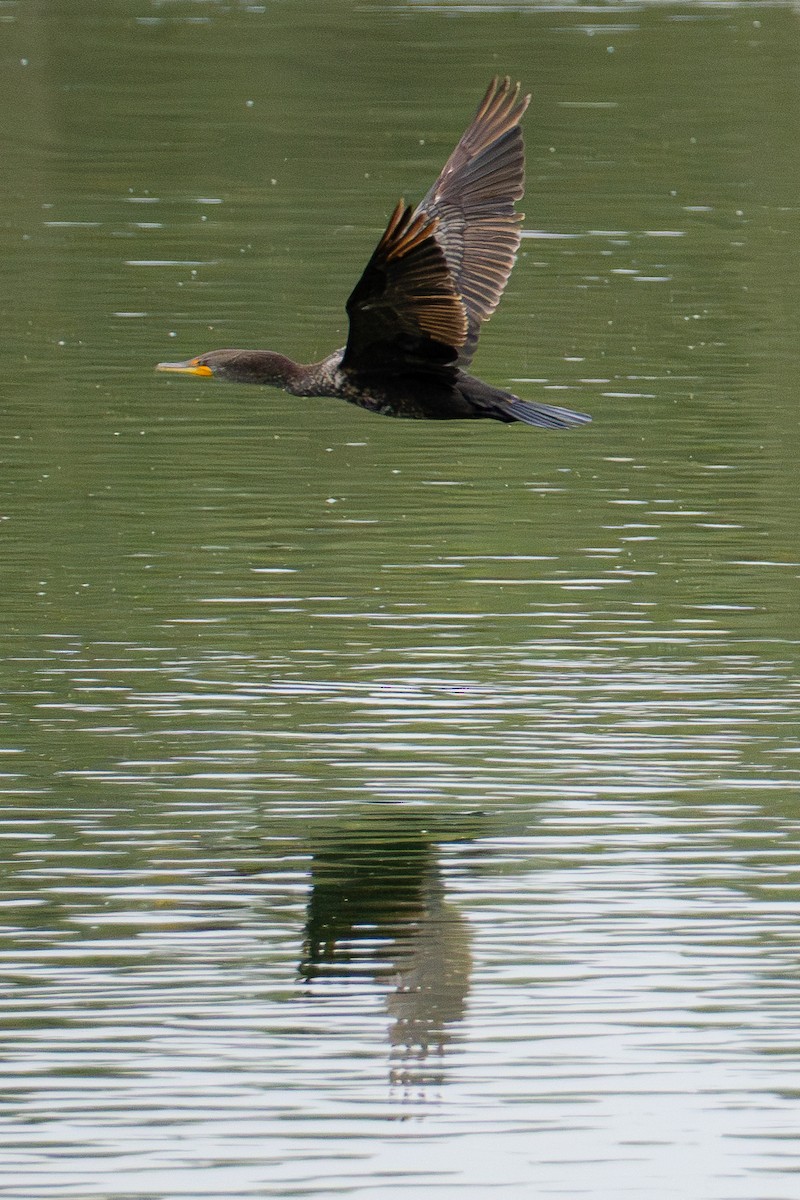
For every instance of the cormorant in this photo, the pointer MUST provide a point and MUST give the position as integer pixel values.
(415, 314)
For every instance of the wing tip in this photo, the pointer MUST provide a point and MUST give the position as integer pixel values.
(502, 96)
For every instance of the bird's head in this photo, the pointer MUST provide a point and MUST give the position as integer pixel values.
(238, 366)
(215, 362)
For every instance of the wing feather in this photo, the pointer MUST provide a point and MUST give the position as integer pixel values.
(439, 270)
(405, 309)
(473, 202)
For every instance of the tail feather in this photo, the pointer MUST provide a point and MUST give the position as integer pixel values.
(482, 400)
(546, 416)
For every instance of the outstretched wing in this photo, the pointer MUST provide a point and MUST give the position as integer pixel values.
(405, 309)
(472, 203)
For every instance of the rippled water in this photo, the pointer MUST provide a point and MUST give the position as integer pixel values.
(394, 808)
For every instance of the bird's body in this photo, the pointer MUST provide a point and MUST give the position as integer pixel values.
(429, 395)
(436, 274)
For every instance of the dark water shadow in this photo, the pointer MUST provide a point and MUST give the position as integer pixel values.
(379, 921)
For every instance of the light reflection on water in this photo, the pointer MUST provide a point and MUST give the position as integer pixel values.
(621, 958)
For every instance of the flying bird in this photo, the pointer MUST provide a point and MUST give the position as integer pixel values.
(436, 275)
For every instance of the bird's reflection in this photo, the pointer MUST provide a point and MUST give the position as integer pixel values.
(378, 910)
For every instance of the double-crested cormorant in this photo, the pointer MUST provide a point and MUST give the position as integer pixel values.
(436, 274)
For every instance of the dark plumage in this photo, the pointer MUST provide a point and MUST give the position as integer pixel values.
(415, 314)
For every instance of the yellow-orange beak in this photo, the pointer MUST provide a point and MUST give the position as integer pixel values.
(190, 367)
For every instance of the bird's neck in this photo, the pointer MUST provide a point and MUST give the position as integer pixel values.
(299, 379)
(275, 370)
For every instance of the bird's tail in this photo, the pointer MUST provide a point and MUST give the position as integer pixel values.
(547, 416)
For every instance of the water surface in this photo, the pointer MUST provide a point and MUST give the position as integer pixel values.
(395, 808)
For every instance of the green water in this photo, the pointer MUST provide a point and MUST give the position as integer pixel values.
(393, 807)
